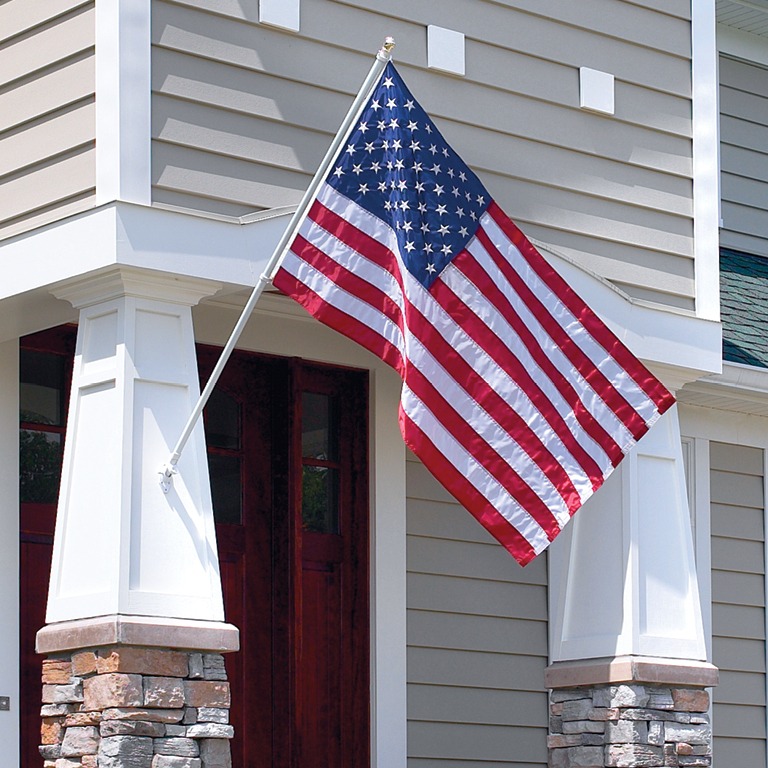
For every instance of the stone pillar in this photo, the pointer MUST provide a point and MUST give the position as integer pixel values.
(135, 630)
(628, 668)
(630, 712)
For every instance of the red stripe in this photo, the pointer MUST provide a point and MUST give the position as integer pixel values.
(481, 451)
(338, 320)
(588, 370)
(655, 390)
(466, 494)
(486, 338)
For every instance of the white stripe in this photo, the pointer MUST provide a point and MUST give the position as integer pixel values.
(590, 398)
(487, 313)
(489, 430)
(599, 356)
(344, 301)
(496, 495)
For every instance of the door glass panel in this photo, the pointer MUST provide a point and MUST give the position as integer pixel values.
(39, 466)
(318, 428)
(41, 387)
(226, 488)
(319, 499)
(222, 423)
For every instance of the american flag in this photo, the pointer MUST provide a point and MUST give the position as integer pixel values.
(515, 395)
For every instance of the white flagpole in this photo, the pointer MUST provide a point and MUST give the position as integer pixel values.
(383, 56)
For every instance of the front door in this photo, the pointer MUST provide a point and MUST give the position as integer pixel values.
(287, 445)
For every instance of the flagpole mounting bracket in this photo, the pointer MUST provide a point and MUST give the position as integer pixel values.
(166, 476)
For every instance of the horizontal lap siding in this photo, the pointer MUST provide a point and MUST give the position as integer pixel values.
(47, 123)
(744, 156)
(477, 641)
(738, 604)
(243, 113)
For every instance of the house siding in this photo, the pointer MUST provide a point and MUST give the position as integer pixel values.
(744, 156)
(243, 113)
(47, 124)
(738, 604)
(477, 640)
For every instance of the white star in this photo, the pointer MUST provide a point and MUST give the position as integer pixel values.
(369, 147)
(363, 189)
(428, 248)
(468, 196)
(463, 176)
(455, 192)
(388, 82)
(460, 212)
(363, 127)
(445, 151)
(375, 167)
(409, 246)
(451, 172)
(433, 149)
(387, 205)
(435, 168)
(351, 149)
(337, 172)
(428, 128)
(407, 226)
(412, 126)
(375, 105)
(444, 229)
(383, 187)
(397, 144)
(438, 190)
(446, 249)
(463, 231)
(422, 207)
(424, 227)
(390, 165)
(408, 105)
(391, 104)
(431, 268)
(417, 167)
(393, 123)
(401, 185)
(381, 125)
(419, 186)
(473, 216)
(399, 164)
(415, 146)
(480, 200)
(404, 205)
(357, 169)
(440, 210)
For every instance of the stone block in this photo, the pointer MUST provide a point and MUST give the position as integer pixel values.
(605, 713)
(190, 715)
(215, 753)
(57, 671)
(627, 732)
(175, 730)
(82, 718)
(150, 715)
(213, 715)
(132, 728)
(50, 751)
(583, 726)
(80, 741)
(661, 698)
(125, 752)
(690, 734)
(113, 690)
(592, 739)
(690, 700)
(166, 761)
(646, 714)
(63, 694)
(578, 709)
(556, 708)
(178, 746)
(568, 694)
(56, 710)
(555, 724)
(214, 667)
(577, 757)
(694, 761)
(84, 663)
(51, 730)
(656, 733)
(143, 661)
(206, 693)
(621, 696)
(196, 670)
(210, 731)
(560, 740)
(65, 762)
(90, 761)
(163, 692)
(633, 756)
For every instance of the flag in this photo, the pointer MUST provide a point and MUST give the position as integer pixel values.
(515, 395)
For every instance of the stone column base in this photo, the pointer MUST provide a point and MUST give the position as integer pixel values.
(640, 721)
(135, 707)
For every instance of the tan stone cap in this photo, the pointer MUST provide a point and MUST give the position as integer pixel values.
(631, 669)
(148, 631)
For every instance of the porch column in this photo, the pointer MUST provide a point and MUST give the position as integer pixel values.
(135, 615)
(628, 668)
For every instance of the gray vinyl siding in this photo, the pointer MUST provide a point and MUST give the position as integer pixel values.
(744, 156)
(738, 605)
(47, 125)
(477, 640)
(242, 114)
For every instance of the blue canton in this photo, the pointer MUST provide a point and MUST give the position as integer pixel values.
(397, 166)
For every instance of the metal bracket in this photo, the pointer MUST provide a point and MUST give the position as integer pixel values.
(5, 703)
(166, 477)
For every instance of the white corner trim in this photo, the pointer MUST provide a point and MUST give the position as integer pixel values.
(706, 159)
(123, 101)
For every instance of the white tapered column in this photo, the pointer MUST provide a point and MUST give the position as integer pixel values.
(122, 546)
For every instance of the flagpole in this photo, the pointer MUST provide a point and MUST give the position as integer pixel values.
(383, 56)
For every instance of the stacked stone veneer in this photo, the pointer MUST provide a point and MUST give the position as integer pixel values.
(129, 707)
(629, 725)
